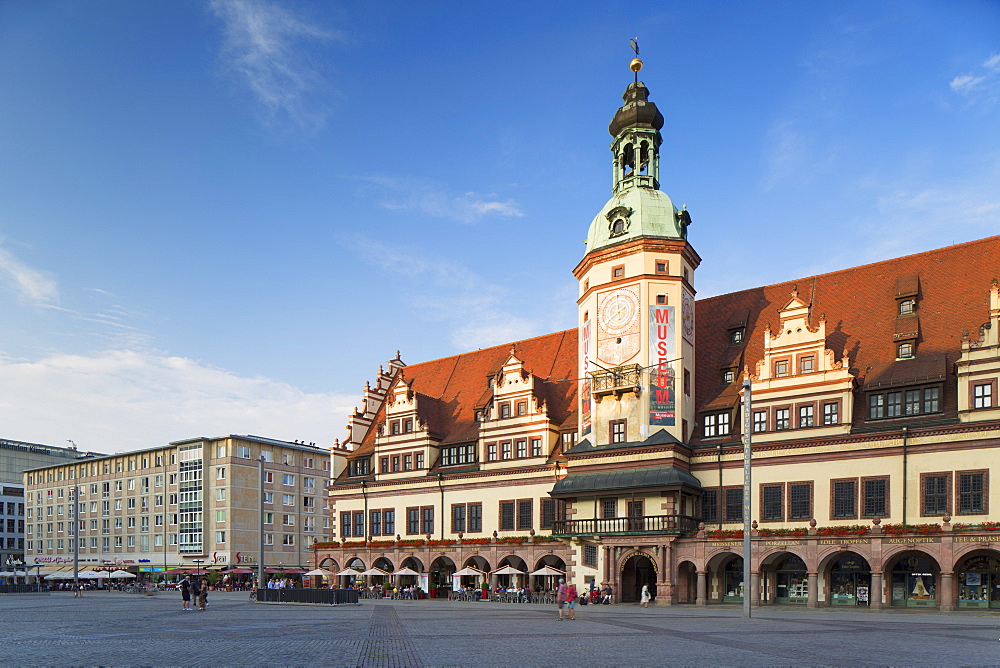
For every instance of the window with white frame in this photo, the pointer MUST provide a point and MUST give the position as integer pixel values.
(982, 396)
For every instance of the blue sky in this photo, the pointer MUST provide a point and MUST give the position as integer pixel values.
(221, 217)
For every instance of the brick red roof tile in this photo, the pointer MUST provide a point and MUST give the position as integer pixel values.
(861, 314)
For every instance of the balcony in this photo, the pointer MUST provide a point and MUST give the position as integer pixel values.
(616, 381)
(625, 526)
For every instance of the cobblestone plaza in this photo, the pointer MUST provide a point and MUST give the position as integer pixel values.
(122, 629)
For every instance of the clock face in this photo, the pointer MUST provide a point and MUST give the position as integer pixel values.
(688, 316)
(618, 324)
(618, 312)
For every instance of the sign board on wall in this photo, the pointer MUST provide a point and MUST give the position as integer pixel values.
(662, 378)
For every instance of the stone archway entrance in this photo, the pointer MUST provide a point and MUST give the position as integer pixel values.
(442, 570)
(637, 571)
(978, 580)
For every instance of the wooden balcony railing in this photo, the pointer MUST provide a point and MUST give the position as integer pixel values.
(625, 525)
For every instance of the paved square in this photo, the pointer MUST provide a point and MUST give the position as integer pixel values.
(106, 628)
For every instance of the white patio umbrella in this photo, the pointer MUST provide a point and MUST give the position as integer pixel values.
(375, 571)
(91, 575)
(507, 570)
(320, 571)
(120, 574)
(548, 570)
(408, 571)
(348, 571)
(468, 570)
(58, 576)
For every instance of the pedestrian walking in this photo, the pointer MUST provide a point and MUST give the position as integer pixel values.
(644, 600)
(571, 598)
(203, 596)
(196, 586)
(185, 594)
(561, 597)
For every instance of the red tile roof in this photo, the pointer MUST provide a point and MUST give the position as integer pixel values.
(860, 305)
(451, 388)
(861, 318)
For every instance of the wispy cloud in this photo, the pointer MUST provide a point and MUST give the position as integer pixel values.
(981, 85)
(123, 400)
(447, 292)
(426, 197)
(30, 284)
(263, 47)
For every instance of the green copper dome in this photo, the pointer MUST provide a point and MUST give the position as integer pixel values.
(635, 213)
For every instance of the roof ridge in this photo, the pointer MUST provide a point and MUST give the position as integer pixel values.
(925, 253)
(480, 350)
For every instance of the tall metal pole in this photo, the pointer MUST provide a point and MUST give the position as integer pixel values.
(260, 531)
(747, 494)
(76, 539)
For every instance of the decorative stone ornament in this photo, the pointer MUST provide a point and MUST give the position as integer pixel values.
(619, 220)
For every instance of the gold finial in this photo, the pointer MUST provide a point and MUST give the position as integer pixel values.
(636, 63)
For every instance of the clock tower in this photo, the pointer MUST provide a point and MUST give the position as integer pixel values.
(636, 299)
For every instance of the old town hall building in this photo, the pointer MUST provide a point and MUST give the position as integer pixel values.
(612, 452)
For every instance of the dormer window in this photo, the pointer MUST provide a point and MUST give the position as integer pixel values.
(479, 416)
(736, 337)
(905, 351)
(618, 227)
(728, 377)
(907, 306)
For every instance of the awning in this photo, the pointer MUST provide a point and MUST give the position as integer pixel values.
(657, 477)
(548, 570)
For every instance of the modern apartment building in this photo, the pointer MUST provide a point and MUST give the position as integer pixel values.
(196, 502)
(16, 457)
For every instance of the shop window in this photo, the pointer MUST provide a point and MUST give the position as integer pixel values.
(781, 419)
(934, 493)
(913, 582)
(771, 502)
(734, 504)
(617, 429)
(875, 497)
(800, 500)
(971, 492)
(844, 502)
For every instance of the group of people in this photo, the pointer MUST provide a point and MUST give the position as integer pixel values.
(195, 589)
(280, 583)
(567, 597)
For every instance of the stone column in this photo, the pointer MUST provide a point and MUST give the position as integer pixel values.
(607, 564)
(755, 589)
(666, 591)
(813, 601)
(946, 592)
(701, 590)
(875, 592)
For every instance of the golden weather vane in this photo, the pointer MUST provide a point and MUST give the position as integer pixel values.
(636, 63)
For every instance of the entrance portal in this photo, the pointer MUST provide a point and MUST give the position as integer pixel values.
(850, 581)
(639, 570)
